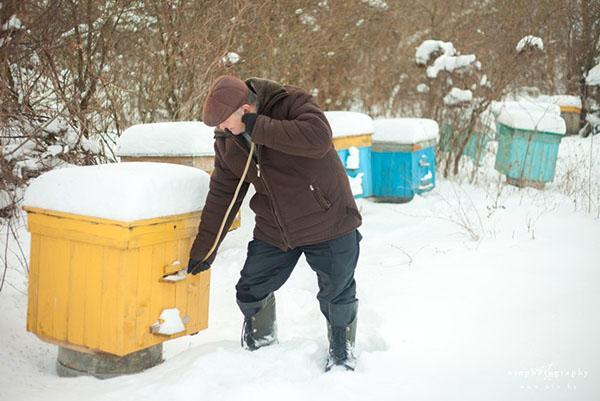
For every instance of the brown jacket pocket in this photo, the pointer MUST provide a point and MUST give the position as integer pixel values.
(316, 191)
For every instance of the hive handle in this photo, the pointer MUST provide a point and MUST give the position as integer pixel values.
(173, 272)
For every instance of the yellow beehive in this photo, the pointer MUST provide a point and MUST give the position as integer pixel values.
(345, 142)
(97, 284)
(109, 252)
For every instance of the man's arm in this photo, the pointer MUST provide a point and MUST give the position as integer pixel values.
(222, 187)
(306, 133)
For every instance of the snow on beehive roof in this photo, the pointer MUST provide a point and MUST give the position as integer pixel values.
(545, 107)
(405, 130)
(179, 138)
(532, 120)
(121, 191)
(564, 100)
(349, 123)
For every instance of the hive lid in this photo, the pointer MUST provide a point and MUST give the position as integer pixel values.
(405, 130)
(179, 138)
(565, 101)
(545, 107)
(121, 191)
(349, 123)
(532, 120)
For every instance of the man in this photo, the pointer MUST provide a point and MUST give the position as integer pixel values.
(303, 205)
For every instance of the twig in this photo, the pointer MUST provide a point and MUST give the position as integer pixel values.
(410, 259)
(590, 175)
(22, 258)
(5, 261)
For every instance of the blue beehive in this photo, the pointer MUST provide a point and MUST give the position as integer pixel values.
(403, 158)
(352, 138)
(528, 144)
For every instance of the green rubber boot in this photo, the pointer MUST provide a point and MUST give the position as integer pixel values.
(260, 325)
(342, 336)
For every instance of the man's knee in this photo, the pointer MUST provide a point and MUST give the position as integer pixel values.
(265, 270)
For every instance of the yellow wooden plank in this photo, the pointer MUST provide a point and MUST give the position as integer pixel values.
(138, 239)
(45, 320)
(93, 293)
(345, 142)
(570, 109)
(61, 272)
(180, 301)
(110, 334)
(197, 290)
(127, 299)
(84, 234)
(144, 297)
(198, 294)
(156, 286)
(168, 289)
(113, 233)
(33, 287)
(79, 258)
(80, 227)
(201, 288)
(38, 214)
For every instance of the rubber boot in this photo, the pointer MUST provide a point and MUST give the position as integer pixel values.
(342, 337)
(260, 325)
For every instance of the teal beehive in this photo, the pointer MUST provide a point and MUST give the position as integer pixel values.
(528, 143)
(403, 158)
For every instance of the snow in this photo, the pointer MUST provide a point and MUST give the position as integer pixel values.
(545, 108)
(356, 185)
(593, 76)
(90, 145)
(181, 138)
(349, 123)
(231, 58)
(57, 125)
(532, 120)
(422, 88)
(557, 101)
(353, 159)
(377, 4)
(448, 60)
(593, 120)
(428, 47)
(467, 293)
(120, 191)
(457, 96)
(12, 23)
(54, 150)
(169, 322)
(405, 130)
(562, 100)
(530, 41)
(5, 199)
(449, 64)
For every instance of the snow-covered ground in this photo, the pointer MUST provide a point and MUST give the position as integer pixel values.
(471, 292)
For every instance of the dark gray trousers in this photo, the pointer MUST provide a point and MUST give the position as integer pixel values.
(267, 268)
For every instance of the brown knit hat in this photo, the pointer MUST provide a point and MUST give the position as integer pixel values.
(224, 97)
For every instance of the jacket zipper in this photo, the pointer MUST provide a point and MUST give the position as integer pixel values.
(325, 204)
(272, 198)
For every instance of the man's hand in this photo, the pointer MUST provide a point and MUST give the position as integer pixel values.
(195, 266)
(249, 119)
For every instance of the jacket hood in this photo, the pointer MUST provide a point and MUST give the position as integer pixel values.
(267, 91)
